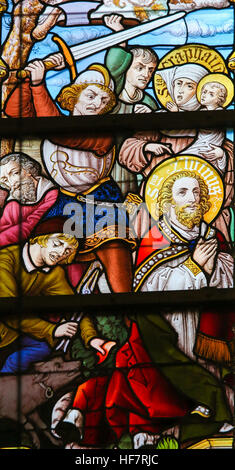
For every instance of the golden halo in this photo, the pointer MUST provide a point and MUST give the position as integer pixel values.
(221, 78)
(191, 164)
(188, 54)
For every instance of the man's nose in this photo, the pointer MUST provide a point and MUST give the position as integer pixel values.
(14, 180)
(60, 250)
(192, 197)
(146, 72)
(97, 101)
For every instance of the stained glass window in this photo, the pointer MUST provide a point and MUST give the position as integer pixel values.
(117, 224)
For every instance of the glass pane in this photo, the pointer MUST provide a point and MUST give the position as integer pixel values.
(139, 213)
(142, 392)
(66, 232)
(147, 49)
(159, 204)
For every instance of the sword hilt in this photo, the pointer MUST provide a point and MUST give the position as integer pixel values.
(23, 74)
(68, 57)
(49, 65)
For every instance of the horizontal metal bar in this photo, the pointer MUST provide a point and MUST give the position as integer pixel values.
(107, 303)
(115, 123)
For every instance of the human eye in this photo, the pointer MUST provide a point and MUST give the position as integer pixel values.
(56, 243)
(4, 183)
(90, 95)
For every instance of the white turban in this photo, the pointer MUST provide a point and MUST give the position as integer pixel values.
(96, 74)
(193, 72)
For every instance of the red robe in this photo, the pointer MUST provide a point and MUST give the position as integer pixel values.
(135, 398)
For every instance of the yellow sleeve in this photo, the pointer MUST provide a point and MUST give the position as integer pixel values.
(8, 277)
(33, 326)
(55, 283)
(88, 331)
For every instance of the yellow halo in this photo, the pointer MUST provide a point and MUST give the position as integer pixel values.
(187, 54)
(220, 78)
(191, 164)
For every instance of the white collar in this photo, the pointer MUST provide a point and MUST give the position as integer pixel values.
(188, 234)
(43, 185)
(127, 99)
(28, 262)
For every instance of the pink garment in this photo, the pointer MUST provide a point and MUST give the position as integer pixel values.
(18, 221)
(132, 154)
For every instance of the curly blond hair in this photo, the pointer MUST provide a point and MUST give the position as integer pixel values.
(222, 95)
(70, 239)
(69, 95)
(165, 198)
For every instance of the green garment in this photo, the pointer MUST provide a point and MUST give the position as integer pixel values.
(109, 327)
(191, 379)
(118, 61)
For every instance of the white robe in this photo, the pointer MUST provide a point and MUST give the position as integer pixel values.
(75, 170)
(175, 275)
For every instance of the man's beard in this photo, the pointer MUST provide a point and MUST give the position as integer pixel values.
(26, 192)
(189, 219)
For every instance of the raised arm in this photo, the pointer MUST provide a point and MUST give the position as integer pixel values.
(20, 102)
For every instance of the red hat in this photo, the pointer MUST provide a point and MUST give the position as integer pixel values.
(49, 226)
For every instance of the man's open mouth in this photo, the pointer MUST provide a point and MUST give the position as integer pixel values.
(53, 257)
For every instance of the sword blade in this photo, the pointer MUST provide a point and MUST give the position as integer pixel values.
(80, 51)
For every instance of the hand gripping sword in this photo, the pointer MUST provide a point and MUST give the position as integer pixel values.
(88, 48)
